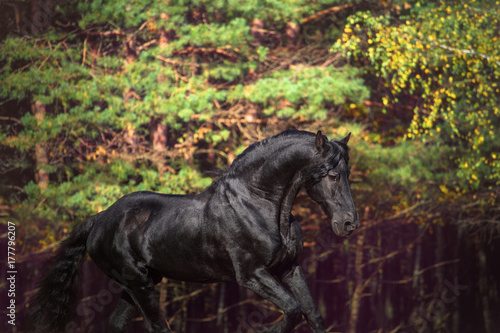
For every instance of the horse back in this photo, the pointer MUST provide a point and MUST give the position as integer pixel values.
(167, 233)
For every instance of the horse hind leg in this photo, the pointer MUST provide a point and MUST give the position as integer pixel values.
(119, 319)
(139, 290)
(147, 299)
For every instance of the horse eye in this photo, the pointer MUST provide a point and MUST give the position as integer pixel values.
(334, 176)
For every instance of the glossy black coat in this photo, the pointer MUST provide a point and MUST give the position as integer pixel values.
(240, 228)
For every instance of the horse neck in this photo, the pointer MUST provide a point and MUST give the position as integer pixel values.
(275, 173)
(276, 169)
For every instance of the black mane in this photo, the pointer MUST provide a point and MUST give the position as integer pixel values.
(278, 138)
(337, 150)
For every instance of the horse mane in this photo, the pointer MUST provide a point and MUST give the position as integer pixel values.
(315, 173)
(265, 143)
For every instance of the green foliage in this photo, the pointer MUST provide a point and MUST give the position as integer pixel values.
(446, 55)
(307, 92)
(411, 167)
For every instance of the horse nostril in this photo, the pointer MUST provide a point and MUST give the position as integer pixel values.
(349, 227)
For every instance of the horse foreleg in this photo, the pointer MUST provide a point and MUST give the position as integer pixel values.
(265, 285)
(294, 280)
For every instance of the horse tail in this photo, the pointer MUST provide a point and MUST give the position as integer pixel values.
(54, 304)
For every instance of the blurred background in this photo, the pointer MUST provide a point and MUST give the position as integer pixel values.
(102, 98)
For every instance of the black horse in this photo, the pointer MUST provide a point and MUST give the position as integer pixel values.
(240, 228)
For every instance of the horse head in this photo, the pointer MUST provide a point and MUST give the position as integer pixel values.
(327, 183)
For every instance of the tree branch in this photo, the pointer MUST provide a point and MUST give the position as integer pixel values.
(460, 51)
(11, 119)
(325, 12)
(201, 50)
(420, 272)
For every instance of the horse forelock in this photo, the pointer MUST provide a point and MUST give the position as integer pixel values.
(344, 150)
(338, 151)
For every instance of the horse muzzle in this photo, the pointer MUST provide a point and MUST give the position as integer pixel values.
(347, 227)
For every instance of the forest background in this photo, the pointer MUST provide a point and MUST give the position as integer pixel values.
(102, 98)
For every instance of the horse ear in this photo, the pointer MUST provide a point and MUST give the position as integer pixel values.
(346, 139)
(320, 141)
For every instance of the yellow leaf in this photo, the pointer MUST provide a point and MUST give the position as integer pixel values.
(443, 189)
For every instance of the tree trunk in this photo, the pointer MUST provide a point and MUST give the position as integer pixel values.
(292, 34)
(34, 15)
(358, 276)
(358, 290)
(41, 158)
(41, 15)
(163, 297)
(128, 93)
(484, 290)
(256, 31)
(158, 135)
(158, 131)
